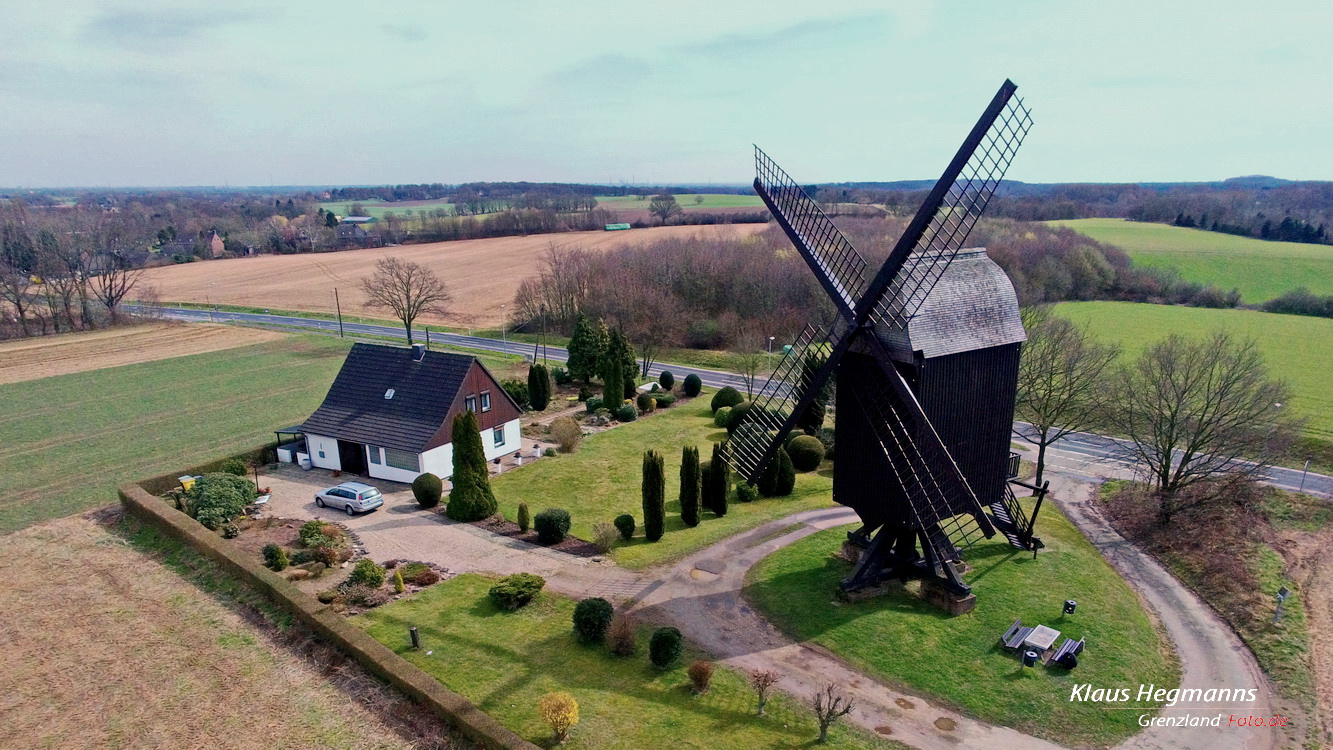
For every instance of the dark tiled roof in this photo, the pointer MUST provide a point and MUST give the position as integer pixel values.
(355, 408)
(972, 307)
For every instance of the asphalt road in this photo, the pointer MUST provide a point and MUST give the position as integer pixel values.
(1094, 453)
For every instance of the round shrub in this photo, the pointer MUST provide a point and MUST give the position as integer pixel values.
(549, 453)
(516, 590)
(806, 452)
(627, 413)
(427, 489)
(592, 617)
(692, 385)
(625, 525)
(366, 573)
(235, 467)
(667, 380)
(592, 404)
(551, 524)
(665, 647)
(230, 531)
(779, 477)
(327, 555)
(566, 433)
(701, 676)
(726, 397)
(746, 492)
(722, 417)
(738, 413)
(219, 497)
(646, 402)
(275, 557)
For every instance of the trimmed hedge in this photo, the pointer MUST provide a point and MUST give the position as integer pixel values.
(627, 413)
(377, 658)
(592, 618)
(726, 397)
(427, 489)
(806, 452)
(722, 418)
(516, 590)
(779, 477)
(665, 647)
(552, 525)
(666, 380)
(625, 525)
(692, 385)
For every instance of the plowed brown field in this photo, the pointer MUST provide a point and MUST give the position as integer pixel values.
(45, 356)
(482, 275)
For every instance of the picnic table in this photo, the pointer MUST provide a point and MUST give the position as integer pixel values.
(1041, 638)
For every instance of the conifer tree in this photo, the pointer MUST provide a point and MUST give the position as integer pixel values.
(689, 485)
(471, 498)
(613, 386)
(587, 348)
(654, 496)
(539, 387)
(716, 481)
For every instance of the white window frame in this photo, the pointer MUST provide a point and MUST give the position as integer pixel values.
(374, 453)
(485, 401)
(396, 459)
(499, 435)
(470, 403)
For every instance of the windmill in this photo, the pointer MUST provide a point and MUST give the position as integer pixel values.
(926, 358)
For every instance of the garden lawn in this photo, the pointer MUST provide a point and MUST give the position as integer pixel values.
(1295, 347)
(958, 660)
(504, 662)
(70, 440)
(1261, 270)
(603, 479)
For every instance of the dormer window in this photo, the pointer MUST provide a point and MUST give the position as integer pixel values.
(388, 394)
(470, 403)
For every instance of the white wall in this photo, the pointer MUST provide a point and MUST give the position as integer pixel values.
(513, 441)
(317, 443)
(438, 461)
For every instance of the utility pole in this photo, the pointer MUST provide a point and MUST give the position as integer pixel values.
(338, 306)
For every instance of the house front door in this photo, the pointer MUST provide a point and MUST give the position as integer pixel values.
(352, 457)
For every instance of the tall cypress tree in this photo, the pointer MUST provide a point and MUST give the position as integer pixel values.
(716, 481)
(689, 485)
(613, 384)
(539, 387)
(471, 498)
(587, 348)
(654, 496)
(621, 352)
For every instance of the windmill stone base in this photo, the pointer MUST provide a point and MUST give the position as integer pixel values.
(931, 591)
(947, 600)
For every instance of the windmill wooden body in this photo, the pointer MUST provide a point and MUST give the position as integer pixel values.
(925, 354)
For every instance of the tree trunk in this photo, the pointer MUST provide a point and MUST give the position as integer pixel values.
(823, 733)
(1041, 462)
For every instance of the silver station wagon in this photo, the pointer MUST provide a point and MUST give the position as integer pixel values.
(352, 497)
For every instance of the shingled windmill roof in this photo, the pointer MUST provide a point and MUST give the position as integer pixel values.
(972, 307)
(356, 409)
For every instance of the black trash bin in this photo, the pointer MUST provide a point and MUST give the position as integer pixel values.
(1030, 658)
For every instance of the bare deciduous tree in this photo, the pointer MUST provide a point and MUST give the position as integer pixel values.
(114, 277)
(763, 681)
(407, 288)
(830, 705)
(1061, 381)
(1199, 410)
(664, 206)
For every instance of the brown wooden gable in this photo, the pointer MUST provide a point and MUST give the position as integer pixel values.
(478, 379)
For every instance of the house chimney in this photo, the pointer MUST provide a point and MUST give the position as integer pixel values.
(418, 352)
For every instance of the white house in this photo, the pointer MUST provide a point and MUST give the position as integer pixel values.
(390, 412)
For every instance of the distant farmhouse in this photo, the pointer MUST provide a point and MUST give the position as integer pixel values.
(390, 413)
(185, 245)
(356, 229)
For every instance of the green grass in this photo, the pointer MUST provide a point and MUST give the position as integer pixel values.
(957, 659)
(504, 662)
(1295, 347)
(686, 201)
(378, 208)
(71, 439)
(1283, 649)
(602, 480)
(1260, 270)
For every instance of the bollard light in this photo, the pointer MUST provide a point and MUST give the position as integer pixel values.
(416, 638)
(1070, 606)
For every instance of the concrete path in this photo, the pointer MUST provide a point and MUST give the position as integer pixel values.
(1211, 655)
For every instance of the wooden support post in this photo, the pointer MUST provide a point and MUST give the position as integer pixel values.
(416, 638)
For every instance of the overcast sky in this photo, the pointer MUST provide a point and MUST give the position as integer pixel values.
(300, 93)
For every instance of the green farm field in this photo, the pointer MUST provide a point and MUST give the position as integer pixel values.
(379, 208)
(1260, 270)
(69, 440)
(602, 479)
(686, 201)
(1295, 347)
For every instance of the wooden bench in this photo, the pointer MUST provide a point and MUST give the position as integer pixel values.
(1013, 637)
(1070, 648)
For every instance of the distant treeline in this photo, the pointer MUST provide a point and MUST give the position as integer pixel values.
(735, 293)
(1249, 206)
(514, 193)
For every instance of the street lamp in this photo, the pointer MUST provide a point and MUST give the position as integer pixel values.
(770, 344)
(503, 340)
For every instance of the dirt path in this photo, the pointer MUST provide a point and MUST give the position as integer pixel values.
(1211, 656)
(44, 356)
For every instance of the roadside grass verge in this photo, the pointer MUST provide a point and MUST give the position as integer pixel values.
(1261, 270)
(958, 660)
(71, 439)
(602, 480)
(505, 661)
